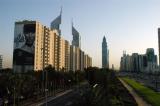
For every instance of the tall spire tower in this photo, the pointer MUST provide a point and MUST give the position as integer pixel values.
(76, 37)
(105, 54)
(55, 24)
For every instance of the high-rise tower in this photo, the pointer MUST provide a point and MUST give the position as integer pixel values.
(76, 37)
(55, 24)
(105, 54)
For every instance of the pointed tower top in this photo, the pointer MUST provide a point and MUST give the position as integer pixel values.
(104, 39)
(72, 22)
(61, 10)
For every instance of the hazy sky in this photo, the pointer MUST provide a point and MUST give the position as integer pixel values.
(129, 25)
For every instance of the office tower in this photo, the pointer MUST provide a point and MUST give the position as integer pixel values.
(123, 62)
(55, 24)
(76, 38)
(74, 58)
(151, 59)
(105, 54)
(135, 62)
(139, 62)
(1, 62)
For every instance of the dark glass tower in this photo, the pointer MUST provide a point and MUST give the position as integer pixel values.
(55, 24)
(76, 37)
(105, 54)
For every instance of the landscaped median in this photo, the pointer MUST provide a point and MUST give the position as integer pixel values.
(148, 94)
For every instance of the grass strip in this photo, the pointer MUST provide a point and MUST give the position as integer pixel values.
(148, 94)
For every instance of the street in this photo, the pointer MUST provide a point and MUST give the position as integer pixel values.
(64, 100)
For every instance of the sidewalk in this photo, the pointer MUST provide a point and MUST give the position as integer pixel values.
(140, 101)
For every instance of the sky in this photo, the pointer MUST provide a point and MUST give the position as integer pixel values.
(129, 25)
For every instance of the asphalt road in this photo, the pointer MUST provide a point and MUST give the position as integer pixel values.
(65, 100)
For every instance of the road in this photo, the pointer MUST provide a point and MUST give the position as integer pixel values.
(65, 100)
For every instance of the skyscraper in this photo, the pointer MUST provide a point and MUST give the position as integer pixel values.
(76, 37)
(105, 54)
(1, 60)
(139, 62)
(55, 24)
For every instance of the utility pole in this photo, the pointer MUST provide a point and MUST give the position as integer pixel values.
(14, 104)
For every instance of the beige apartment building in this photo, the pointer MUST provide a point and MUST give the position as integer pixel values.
(72, 58)
(87, 61)
(46, 49)
(67, 55)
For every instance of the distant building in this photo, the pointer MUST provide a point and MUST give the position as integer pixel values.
(135, 62)
(151, 59)
(76, 38)
(139, 62)
(55, 24)
(1, 62)
(105, 54)
(87, 61)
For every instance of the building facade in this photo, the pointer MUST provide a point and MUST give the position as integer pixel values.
(105, 54)
(67, 55)
(76, 38)
(55, 24)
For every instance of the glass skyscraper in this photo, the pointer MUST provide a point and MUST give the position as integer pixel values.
(105, 54)
(76, 37)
